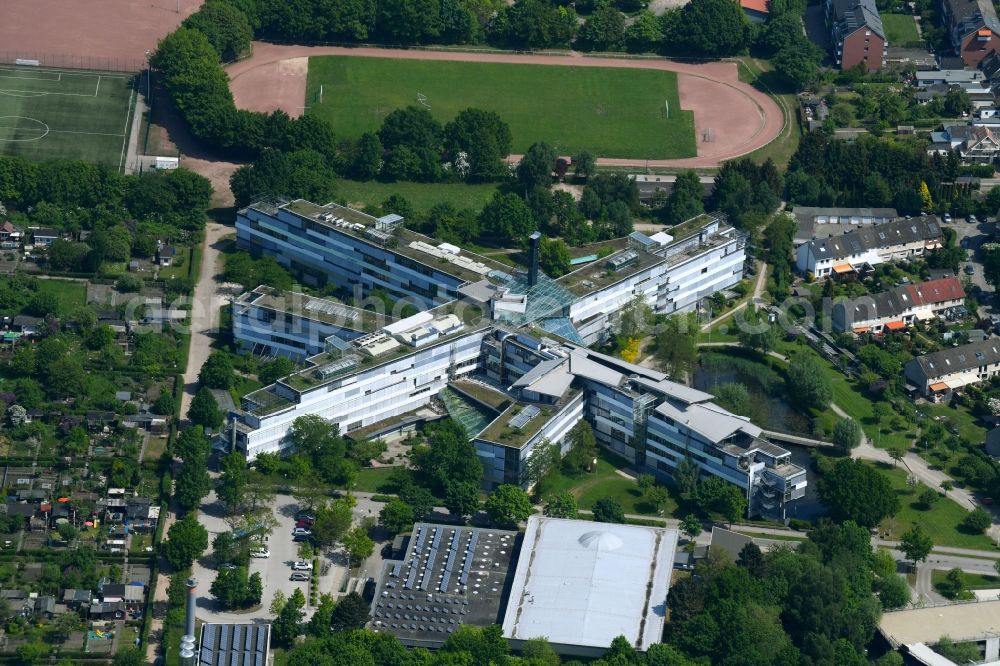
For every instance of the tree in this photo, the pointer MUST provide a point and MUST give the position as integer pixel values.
(288, 624)
(708, 28)
(396, 516)
(204, 410)
(533, 24)
(847, 434)
(894, 592)
(536, 167)
(319, 623)
(562, 505)
(915, 544)
(278, 602)
(676, 345)
(553, 257)
(732, 504)
(350, 613)
(976, 521)
(685, 200)
(462, 499)
(507, 217)
(751, 558)
(164, 404)
(755, 331)
(332, 522)
(583, 448)
(232, 486)
(129, 656)
(990, 257)
(643, 34)
(484, 138)
(508, 505)
(658, 497)
(186, 540)
(585, 164)
(227, 28)
(217, 372)
(645, 481)
(691, 526)
(305, 174)
(192, 483)
(928, 497)
(852, 490)
(686, 476)
(799, 63)
(896, 453)
(358, 545)
(604, 29)
(808, 384)
(367, 157)
(608, 510)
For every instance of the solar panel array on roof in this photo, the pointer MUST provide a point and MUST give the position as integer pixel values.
(234, 644)
(458, 577)
(524, 416)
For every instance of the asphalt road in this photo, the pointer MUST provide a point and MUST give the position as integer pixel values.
(971, 236)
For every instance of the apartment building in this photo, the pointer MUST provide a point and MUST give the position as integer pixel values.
(899, 307)
(973, 28)
(937, 374)
(814, 222)
(856, 33)
(868, 246)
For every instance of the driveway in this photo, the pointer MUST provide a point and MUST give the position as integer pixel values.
(971, 236)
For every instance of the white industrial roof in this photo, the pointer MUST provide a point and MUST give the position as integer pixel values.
(708, 419)
(582, 583)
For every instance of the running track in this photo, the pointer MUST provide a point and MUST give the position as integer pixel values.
(741, 117)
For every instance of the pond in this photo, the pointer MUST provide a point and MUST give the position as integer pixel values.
(777, 415)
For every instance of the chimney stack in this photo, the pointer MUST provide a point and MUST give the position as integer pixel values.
(188, 650)
(535, 239)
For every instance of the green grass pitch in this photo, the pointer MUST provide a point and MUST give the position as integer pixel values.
(609, 112)
(48, 113)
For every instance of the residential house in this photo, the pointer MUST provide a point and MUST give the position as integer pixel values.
(973, 28)
(74, 599)
(920, 59)
(937, 374)
(98, 421)
(141, 514)
(948, 77)
(132, 595)
(814, 222)
(756, 10)
(165, 255)
(114, 610)
(868, 246)
(857, 33)
(10, 236)
(26, 325)
(899, 307)
(974, 143)
(44, 236)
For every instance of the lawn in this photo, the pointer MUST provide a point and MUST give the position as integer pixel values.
(940, 522)
(422, 196)
(71, 295)
(49, 114)
(604, 481)
(973, 581)
(609, 112)
(900, 28)
(372, 479)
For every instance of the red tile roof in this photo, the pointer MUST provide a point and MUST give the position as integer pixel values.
(755, 5)
(936, 291)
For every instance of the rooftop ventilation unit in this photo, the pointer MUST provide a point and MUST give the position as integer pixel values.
(524, 416)
(623, 260)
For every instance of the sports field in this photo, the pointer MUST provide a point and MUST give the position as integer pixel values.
(49, 113)
(609, 112)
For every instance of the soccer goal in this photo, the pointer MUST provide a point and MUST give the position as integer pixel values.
(422, 98)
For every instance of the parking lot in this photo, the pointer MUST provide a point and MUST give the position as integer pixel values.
(275, 570)
(971, 236)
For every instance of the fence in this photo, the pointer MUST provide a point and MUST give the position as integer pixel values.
(65, 61)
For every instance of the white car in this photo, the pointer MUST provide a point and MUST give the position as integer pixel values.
(947, 217)
(263, 553)
(301, 531)
(302, 565)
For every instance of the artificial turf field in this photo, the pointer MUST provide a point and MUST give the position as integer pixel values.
(49, 113)
(609, 112)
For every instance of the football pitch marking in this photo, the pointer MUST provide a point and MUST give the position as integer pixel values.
(128, 112)
(4, 126)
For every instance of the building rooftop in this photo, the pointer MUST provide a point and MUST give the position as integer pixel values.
(516, 425)
(852, 15)
(862, 239)
(968, 15)
(958, 359)
(899, 300)
(234, 644)
(450, 576)
(581, 583)
(315, 308)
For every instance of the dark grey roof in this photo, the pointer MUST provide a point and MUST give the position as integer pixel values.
(852, 15)
(234, 644)
(867, 238)
(26, 320)
(958, 359)
(45, 233)
(967, 16)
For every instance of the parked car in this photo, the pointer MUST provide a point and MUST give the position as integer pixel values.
(972, 219)
(302, 565)
(947, 218)
(304, 523)
(227, 567)
(263, 553)
(969, 270)
(301, 531)
(299, 575)
(301, 515)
